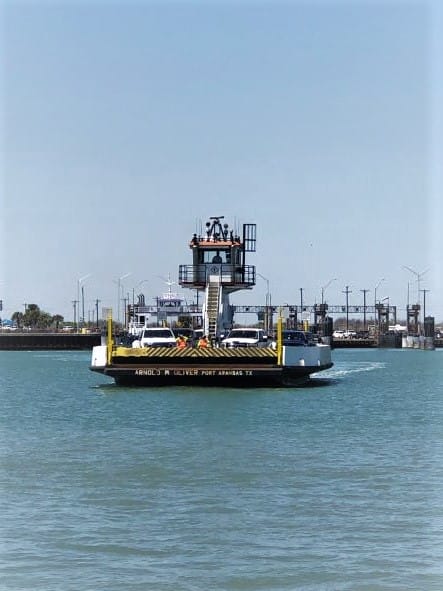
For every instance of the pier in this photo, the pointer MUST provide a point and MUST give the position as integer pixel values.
(32, 341)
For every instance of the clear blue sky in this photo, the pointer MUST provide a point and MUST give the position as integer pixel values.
(123, 123)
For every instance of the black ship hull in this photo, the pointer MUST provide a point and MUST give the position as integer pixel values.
(241, 376)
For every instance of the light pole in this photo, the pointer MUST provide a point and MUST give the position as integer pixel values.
(119, 282)
(268, 302)
(125, 310)
(324, 288)
(96, 313)
(419, 276)
(386, 299)
(83, 304)
(375, 295)
(364, 291)
(424, 291)
(301, 307)
(375, 290)
(74, 303)
(375, 304)
(385, 313)
(347, 292)
(79, 281)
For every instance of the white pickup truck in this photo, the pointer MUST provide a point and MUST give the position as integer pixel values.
(246, 337)
(155, 337)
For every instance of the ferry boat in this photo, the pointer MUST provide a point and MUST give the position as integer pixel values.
(218, 269)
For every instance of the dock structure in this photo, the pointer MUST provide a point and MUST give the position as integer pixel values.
(41, 341)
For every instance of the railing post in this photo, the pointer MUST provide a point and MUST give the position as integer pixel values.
(109, 339)
(280, 339)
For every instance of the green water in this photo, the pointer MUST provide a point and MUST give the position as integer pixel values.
(334, 487)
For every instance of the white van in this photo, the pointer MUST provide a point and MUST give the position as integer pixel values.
(246, 337)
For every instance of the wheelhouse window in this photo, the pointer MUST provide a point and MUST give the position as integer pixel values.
(214, 256)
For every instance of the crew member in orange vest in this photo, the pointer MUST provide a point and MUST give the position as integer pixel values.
(181, 342)
(203, 342)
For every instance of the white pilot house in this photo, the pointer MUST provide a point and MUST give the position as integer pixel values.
(219, 269)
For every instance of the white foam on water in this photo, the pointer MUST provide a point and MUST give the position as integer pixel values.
(340, 370)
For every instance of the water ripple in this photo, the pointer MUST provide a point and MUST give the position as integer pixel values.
(331, 488)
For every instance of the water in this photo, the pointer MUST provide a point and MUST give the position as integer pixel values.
(335, 487)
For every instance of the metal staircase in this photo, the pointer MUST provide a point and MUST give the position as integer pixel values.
(213, 290)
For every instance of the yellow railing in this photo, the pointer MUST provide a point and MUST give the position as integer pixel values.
(109, 339)
(280, 339)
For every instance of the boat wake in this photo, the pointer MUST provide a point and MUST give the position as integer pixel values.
(345, 369)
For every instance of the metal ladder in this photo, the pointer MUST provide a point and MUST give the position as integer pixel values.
(213, 290)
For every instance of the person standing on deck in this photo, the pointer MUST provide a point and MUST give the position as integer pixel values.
(181, 342)
(203, 342)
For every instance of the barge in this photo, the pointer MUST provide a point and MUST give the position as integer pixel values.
(218, 269)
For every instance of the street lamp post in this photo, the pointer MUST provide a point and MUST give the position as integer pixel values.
(74, 303)
(419, 276)
(267, 303)
(325, 287)
(375, 290)
(375, 297)
(125, 310)
(364, 291)
(79, 281)
(97, 301)
(119, 284)
(83, 304)
(347, 291)
(386, 299)
(424, 291)
(301, 307)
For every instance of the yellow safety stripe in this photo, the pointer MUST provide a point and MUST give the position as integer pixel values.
(195, 353)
